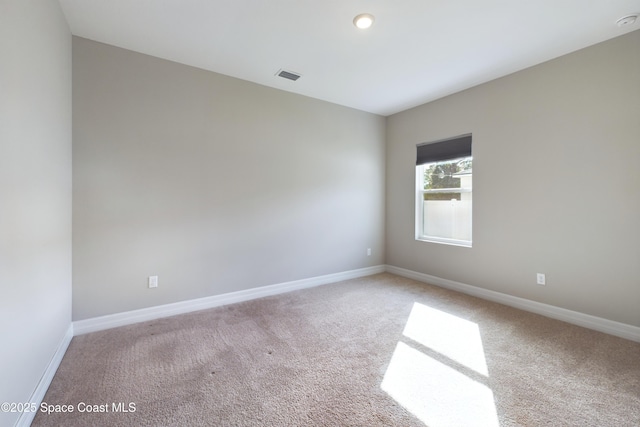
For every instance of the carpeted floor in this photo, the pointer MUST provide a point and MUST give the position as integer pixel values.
(376, 351)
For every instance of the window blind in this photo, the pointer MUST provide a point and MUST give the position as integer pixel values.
(447, 149)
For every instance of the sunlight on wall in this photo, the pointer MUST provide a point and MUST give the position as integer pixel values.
(438, 393)
(451, 336)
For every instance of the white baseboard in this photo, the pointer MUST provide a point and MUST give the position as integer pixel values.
(130, 317)
(585, 320)
(127, 318)
(26, 418)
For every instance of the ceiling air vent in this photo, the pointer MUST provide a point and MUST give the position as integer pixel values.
(288, 75)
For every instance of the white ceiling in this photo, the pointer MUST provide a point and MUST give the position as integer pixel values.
(416, 51)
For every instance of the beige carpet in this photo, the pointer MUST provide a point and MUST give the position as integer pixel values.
(377, 351)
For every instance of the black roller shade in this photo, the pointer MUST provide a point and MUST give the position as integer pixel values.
(447, 149)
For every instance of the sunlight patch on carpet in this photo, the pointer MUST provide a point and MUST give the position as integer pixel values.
(449, 335)
(439, 394)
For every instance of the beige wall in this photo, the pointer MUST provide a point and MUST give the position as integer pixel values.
(212, 183)
(218, 185)
(556, 172)
(35, 193)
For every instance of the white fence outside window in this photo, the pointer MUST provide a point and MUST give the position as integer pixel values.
(447, 218)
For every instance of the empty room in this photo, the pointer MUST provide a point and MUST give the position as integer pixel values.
(288, 213)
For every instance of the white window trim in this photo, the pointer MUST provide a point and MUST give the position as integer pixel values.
(444, 241)
(419, 198)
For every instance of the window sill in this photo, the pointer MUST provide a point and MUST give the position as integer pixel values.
(444, 241)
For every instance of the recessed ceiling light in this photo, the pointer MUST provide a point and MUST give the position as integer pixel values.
(363, 21)
(627, 20)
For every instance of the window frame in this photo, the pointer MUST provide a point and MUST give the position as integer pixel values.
(419, 202)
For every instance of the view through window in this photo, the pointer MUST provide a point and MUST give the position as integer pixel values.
(444, 194)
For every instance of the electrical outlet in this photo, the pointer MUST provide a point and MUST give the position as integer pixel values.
(368, 251)
(153, 281)
(541, 280)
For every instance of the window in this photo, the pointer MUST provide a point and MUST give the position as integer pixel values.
(444, 191)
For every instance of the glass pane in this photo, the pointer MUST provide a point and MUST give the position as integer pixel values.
(446, 213)
(449, 219)
(449, 174)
